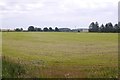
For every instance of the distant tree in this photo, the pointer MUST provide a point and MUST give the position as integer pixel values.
(106, 28)
(91, 27)
(31, 28)
(116, 27)
(8, 30)
(39, 29)
(109, 27)
(119, 27)
(45, 29)
(35, 29)
(94, 27)
(19, 29)
(56, 29)
(102, 28)
(50, 29)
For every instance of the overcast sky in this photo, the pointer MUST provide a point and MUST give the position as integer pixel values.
(61, 13)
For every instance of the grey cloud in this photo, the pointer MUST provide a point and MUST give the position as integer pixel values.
(53, 12)
(119, 11)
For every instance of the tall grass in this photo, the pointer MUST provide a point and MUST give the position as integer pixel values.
(11, 69)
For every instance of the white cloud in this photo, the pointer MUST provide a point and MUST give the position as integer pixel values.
(65, 5)
(71, 11)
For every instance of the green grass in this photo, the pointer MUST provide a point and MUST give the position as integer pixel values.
(60, 55)
(0, 55)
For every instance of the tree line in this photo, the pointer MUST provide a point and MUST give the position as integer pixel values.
(35, 29)
(108, 27)
(93, 27)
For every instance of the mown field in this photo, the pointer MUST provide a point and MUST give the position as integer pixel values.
(59, 55)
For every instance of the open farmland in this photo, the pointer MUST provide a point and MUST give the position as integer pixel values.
(60, 55)
(0, 55)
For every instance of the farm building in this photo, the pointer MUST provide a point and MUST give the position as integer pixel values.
(64, 29)
(80, 30)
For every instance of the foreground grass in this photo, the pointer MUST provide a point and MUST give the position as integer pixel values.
(55, 55)
(0, 55)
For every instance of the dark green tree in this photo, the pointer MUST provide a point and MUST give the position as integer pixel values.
(35, 29)
(119, 27)
(39, 29)
(45, 29)
(102, 28)
(56, 29)
(31, 28)
(116, 27)
(50, 29)
(96, 27)
(91, 27)
(19, 29)
(109, 27)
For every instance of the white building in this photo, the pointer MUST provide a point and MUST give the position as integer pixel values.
(80, 30)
